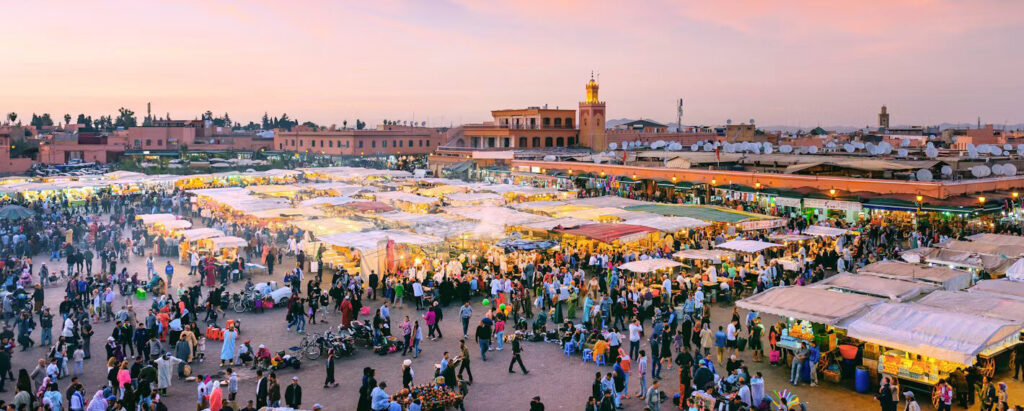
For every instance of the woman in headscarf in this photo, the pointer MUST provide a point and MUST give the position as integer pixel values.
(24, 382)
(98, 403)
(53, 396)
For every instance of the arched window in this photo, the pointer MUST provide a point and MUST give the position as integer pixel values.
(536, 141)
(460, 143)
(330, 144)
(558, 122)
(522, 142)
(560, 142)
(549, 142)
(568, 122)
(570, 141)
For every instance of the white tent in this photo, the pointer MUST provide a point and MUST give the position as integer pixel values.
(607, 201)
(150, 219)
(1003, 288)
(392, 197)
(647, 266)
(555, 222)
(225, 242)
(670, 224)
(789, 237)
(991, 238)
(370, 240)
(713, 255)
(1016, 271)
(945, 277)
(989, 305)
(175, 224)
(808, 303)
(495, 215)
(747, 246)
(332, 201)
(201, 233)
(471, 199)
(932, 332)
(896, 290)
(825, 231)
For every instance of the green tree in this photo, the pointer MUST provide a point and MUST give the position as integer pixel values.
(360, 124)
(125, 118)
(12, 116)
(344, 124)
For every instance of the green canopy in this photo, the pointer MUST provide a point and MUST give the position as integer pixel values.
(712, 214)
(15, 212)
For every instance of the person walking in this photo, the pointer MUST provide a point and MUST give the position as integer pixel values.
(406, 327)
(293, 394)
(945, 396)
(483, 337)
(912, 404)
(261, 389)
(517, 354)
(464, 364)
(417, 336)
(407, 374)
(465, 313)
(329, 379)
(653, 397)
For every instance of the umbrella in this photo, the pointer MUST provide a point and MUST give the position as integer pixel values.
(14, 212)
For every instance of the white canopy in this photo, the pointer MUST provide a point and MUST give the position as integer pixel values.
(896, 290)
(825, 231)
(1016, 271)
(175, 224)
(980, 303)
(747, 246)
(495, 215)
(945, 277)
(607, 201)
(808, 303)
(647, 266)
(333, 201)
(991, 238)
(150, 219)
(325, 226)
(714, 255)
(603, 212)
(201, 233)
(391, 197)
(226, 242)
(669, 224)
(370, 240)
(469, 199)
(931, 332)
(1003, 287)
(789, 237)
(549, 224)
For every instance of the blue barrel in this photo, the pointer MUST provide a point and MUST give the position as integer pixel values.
(862, 380)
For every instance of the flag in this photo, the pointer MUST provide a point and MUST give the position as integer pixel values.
(623, 157)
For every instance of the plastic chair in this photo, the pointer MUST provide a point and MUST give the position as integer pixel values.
(599, 360)
(569, 349)
(588, 355)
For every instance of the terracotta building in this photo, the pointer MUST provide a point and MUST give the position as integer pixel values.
(383, 140)
(10, 165)
(532, 127)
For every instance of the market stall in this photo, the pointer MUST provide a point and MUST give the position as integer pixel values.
(376, 250)
(649, 265)
(407, 201)
(224, 249)
(1003, 287)
(922, 344)
(895, 290)
(747, 246)
(944, 278)
(715, 256)
(191, 237)
(825, 231)
(474, 199)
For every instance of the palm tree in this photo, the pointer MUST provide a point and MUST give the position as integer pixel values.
(12, 116)
(67, 119)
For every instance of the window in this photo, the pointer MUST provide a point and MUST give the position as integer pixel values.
(571, 141)
(399, 143)
(548, 142)
(138, 143)
(559, 142)
(280, 146)
(568, 122)
(383, 143)
(547, 121)
(428, 143)
(149, 142)
(293, 142)
(159, 142)
(536, 141)
(421, 143)
(331, 143)
(300, 143)
(522, 142)
(410, 143)
(558, 122)
(505, 142)
(373, 144)
(360, 143)
(321, 143)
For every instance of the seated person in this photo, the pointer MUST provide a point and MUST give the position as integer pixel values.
(600, 347)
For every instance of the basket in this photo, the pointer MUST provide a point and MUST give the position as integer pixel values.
(830, 376)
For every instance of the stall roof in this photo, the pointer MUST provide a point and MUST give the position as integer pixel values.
(473, 197)
(650, 265)
(1002, 287)
(1007, 250)
(825, 231)
(368, 206)
(979, 303)
(808, 303)
(949, 278)
(990, 238)
(201, 233)
(550, 224)
(669, 224)
(401, 196)
(287, 212)
(149, 219)
(604, 212)
(703, 255)
(896, 290)
(494, 215)
(607, 232)
(989, 262)
(371, 240)
(747, 246)
(226, 242)
(175, 224)
(789, 237)
(931, 332)
(705, 213)
(333, 201)
(325, 226)
(608, 201)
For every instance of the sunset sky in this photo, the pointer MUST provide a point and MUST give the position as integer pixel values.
(799, 63)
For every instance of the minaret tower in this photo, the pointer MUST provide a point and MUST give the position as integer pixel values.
(591, 121)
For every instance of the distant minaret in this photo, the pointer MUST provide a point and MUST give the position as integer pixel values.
(591, 122)
(679, 116)
(883, 119)
(149, 115)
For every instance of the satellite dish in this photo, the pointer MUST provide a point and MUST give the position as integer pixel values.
(1009, 169)
(924, 175)
(786, 149)
(751, 121)
(831, 144)
(931, 152)
(901, 152)
(728, 122)
(768, 149)
(613, 146)
(905, 143)
(550, 158)
(1007, 147)
(694, 147)
(997, 169)
(858, 145)
(947, 170)
(812, 149)
(708, 147)
(597, 160)
(849, 148)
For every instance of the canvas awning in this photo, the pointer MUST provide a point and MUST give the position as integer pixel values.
(1002, 287)
(947, 278)
(932, 332)
(650, 265)
(331, 201)
(747, 246)
(1003, 250)
(980, 303)
(713, 255)
(200, 234)
(895, 290)
(808, 303)
(789, 237)
(824, 231)
(495, 215)
(990, 238)
(175, 224)
(218, 243)
(550, 224)
(670, 224)
(371, 240)
(150, 219)
(608, 233)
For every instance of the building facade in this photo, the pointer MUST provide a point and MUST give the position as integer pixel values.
(383, 140)
(592, 118)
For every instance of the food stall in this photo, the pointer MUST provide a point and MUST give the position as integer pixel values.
(943, 277)
(382, 251)
(920, 344)
(474, 199)
(747, 246)
(825, 231)
(191, 237)
(895, 290)
(407, 201)
(1000, 288)
(224, 249)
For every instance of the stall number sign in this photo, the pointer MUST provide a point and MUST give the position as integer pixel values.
(762, 224)
(831, 204)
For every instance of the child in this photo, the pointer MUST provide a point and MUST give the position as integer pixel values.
(79, 357)
(201, 349)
